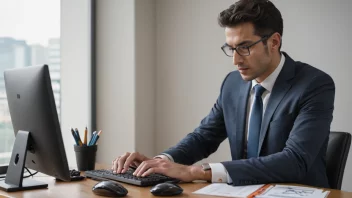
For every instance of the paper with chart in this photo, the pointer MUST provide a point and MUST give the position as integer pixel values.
(222, 189)
(285, 191)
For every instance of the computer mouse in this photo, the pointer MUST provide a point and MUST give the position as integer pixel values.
(109, 189)
(166, 189)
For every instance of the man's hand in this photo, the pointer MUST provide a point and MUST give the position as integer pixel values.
(123, 162)
(171, 169)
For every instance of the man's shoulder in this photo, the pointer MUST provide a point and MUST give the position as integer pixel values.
(234, 76)
(305, 70)
(232, 81)
(305, 67)
(307, 78)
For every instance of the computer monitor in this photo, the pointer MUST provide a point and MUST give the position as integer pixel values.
(38, 144)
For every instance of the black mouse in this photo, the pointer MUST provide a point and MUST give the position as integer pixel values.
(109, 189)
(166, 189)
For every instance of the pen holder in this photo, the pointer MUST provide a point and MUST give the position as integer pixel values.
(85, 157)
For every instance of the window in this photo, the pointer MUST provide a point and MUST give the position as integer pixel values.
(30, 35)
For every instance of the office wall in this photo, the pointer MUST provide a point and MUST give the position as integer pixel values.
(75, 70)
(115, 77)
(125, 39)
(145, 75)
(191, 66)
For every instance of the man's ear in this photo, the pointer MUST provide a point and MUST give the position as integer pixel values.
(275, 41)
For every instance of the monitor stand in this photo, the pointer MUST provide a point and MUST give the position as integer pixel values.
(14, 177)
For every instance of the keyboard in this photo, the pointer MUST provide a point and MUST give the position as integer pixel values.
(129, 178)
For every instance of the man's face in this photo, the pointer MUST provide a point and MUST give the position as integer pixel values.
(258, 64)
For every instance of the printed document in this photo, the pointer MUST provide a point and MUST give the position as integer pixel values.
(222, 189)
(285, 191)
(261, 191)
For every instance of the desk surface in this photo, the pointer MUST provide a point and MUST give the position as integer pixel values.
(84, 189)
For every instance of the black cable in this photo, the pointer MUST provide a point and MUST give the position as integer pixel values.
(31, 175)
(27, 170)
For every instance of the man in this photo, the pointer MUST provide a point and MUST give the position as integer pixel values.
(275, 112)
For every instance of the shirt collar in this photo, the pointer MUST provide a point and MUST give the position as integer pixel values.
(269, 82)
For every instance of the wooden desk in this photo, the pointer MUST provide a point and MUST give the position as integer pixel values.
(84, 189)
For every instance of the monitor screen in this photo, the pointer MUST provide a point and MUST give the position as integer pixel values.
(32, 109)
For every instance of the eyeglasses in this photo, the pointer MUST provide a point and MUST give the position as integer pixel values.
(241, 50)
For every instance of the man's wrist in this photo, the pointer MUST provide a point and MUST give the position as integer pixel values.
(197, 173)
(206, 166)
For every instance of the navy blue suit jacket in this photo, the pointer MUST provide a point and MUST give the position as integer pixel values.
(294, 132)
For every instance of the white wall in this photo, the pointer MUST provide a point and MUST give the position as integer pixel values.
(191, 66)
(115, 68)
(75, 70)
(145, 73)
(125, 77)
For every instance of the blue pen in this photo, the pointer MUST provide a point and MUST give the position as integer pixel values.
(74, 136)
(78, 137)
(96, 138)
(92, 138)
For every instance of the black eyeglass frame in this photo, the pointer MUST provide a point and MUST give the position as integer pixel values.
(233, 49)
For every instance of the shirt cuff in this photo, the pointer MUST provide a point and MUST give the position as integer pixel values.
(165, 156)
(219, 173)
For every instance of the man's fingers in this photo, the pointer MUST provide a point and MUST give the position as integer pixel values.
(121, 162)
(141, 168)
(149, 171)
(135, 164)
(145, 166)
(138, 168)
(129, 161)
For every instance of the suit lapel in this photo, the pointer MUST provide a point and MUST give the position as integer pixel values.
(241, 116)
(281, 86)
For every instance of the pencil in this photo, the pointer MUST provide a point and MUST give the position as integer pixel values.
(85, 136)
(260, 191)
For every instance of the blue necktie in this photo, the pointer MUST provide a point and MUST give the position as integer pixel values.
(255, 122)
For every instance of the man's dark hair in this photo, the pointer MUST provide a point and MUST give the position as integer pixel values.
(263, 14)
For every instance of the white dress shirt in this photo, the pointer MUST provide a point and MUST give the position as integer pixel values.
(219, 173)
